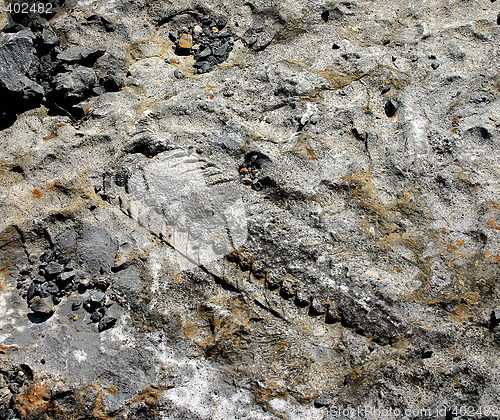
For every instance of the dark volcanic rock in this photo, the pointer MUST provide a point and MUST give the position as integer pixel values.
(96, 250)
(212, 46)
(111, 82)
(43, 306)
(17, 57)
(106, 323)
(391, 107)
(85, 56)
(75, 85)
(53, 268)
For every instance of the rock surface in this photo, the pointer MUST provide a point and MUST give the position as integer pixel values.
(308, 223)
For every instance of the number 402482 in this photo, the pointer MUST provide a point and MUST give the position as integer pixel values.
(40, 8)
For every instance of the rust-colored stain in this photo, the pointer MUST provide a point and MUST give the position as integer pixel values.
(454, 245)
(37, 193)
(4, 348)
(148, 395)
(190, 330)
(54, 134)
(492, 223)
(490, 255)
(208, 89)
(33, 401)
(57, 186)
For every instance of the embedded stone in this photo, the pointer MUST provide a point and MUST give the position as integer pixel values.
(43, 306)
(185, 42)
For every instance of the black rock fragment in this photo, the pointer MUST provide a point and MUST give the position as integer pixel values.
(494, 319)
(74, 85)
(50, 287)
(221, 22)
(111, 82)
(323, 400)
(65, 278)
(53, 268)
(427, 353)
(18, 91)
(97, 315)
(77, 304)
(253, 170)
(106, 323)
(33, 291)
(391, 107)
(205, 42)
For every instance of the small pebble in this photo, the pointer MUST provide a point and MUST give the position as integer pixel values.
(96, 296)
(179, 74)
(391, 106)
(221, 22)
(427, 354)
(435, 65)
(77, 304)
(185, 42)
(53, 268)
(96, 316)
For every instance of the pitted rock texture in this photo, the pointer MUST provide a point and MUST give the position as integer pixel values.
(311, 224)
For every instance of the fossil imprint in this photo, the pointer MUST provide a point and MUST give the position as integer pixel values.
(188, 203)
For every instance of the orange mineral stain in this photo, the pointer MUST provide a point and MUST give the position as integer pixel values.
(37, 193)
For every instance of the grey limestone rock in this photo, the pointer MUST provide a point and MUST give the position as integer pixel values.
(296, 216)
